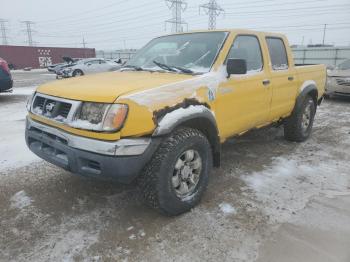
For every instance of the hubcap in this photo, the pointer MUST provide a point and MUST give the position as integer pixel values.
(186, 173)
(306, 119)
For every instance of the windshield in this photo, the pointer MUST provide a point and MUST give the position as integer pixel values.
(344, 65)
(195, 52)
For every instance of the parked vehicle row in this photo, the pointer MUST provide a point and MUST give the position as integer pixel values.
(6, 81)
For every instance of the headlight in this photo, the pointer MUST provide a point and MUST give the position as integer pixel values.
(100, 117)
(29, 102)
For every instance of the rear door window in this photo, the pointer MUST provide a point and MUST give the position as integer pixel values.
(278, 53)
(247, 47)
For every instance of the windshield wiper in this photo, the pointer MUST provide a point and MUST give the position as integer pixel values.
(137, 68)
(172, 68)
(184, 70)
(164, 66)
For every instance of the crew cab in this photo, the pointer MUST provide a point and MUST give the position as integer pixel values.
(161, 119)
(6, 81)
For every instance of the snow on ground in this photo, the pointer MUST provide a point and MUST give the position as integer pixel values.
(227, 208)
(39, 70)
(20, 200)
(276, 186)
(13, 150)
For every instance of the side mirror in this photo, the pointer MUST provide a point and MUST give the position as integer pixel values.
(236, 67)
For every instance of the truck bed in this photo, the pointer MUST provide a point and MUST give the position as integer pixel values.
(312, 72)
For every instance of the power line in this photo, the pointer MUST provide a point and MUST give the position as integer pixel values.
(80, 13)
(177, 7)
(267, 12)
(213, 10)
(29, 30)
(3, 31)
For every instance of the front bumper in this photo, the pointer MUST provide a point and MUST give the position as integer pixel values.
(121, 160)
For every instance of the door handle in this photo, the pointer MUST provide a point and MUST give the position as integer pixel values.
(290, 78)
(266, 82)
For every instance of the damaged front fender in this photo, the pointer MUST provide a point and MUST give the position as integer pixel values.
(182, 115)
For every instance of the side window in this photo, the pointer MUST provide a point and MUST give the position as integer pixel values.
(248, 48)
(278, 53)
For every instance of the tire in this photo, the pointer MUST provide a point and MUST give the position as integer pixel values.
(163, 180)
(298, 126)
(78, 72)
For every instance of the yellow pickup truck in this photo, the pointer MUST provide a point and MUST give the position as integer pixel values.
(162, 117)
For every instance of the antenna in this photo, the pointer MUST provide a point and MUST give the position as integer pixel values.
(177, 6)
(213, 10)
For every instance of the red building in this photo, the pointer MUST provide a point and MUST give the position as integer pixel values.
(40, 57)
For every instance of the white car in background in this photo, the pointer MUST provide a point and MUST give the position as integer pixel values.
(90, 66)
(338, 80)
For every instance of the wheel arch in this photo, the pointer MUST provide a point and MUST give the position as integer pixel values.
(203, 120)
(308, 88)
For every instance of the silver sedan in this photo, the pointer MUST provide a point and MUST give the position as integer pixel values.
(338, 80)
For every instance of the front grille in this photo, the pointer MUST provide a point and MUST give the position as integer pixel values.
(52, 108)
(343, 82)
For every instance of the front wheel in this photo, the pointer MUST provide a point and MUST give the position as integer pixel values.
(78, 72)
(298, 126)
(176, 177)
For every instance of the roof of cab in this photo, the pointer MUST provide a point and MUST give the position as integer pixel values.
(235, 31)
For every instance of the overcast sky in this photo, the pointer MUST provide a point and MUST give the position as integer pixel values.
(113, 24)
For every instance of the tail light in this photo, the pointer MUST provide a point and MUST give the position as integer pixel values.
(4, 66)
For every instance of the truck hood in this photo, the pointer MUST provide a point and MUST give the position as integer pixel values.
(107, 87)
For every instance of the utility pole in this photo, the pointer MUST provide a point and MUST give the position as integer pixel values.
(84, 46)
(29, 30)
(3, 31)
(213, 10)
(177, 7)
(324, 33)
(84, 43)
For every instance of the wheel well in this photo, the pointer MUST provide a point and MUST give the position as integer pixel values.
(210, 131)
(78, 70)
(314, 94)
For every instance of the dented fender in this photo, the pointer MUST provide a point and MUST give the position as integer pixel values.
(174, 118)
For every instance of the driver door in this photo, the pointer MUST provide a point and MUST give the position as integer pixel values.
(244, 100)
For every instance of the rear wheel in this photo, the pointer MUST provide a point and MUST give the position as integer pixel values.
(78, 72)
(298, 126)
(174, 180)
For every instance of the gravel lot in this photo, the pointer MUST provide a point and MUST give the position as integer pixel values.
(271, 200)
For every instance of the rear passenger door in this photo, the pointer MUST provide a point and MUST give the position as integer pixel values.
(282, 77)
(244, 100)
